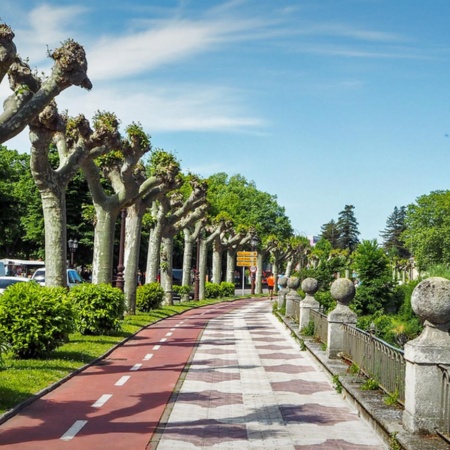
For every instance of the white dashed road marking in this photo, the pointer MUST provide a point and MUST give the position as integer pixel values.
(136, 367)
(73, 430)
(148, 356)
(163, 340)
(122, 381)
(156, 347)
(102, 400)
(169, 334)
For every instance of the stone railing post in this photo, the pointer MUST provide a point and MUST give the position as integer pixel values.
(282, 292)
(292, 297)
(431, 302)
(343, 291)
(309, 287)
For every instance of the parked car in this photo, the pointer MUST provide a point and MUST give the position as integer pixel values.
(6, 281)
(73, 277)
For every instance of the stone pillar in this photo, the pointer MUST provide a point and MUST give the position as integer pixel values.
(282, 292)
(292, 297)
(309, 287)
(343, 291)
(431, 302)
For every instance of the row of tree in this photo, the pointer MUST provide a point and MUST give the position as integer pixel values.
(87, 172)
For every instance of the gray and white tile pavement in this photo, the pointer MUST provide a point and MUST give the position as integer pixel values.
(250, 387)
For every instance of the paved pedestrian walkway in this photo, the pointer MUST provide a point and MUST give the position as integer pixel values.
(226, 376)
(250, 387)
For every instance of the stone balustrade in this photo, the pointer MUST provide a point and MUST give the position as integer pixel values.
(430, 301)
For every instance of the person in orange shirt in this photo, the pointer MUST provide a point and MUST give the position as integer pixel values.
(270, 284)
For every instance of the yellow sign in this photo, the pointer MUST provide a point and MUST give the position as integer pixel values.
(246, 262)
(247, 254)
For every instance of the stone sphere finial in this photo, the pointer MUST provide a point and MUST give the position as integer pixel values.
(293, 283)
(343, 290)
(310, 286)
(430, 300)
(283, 281)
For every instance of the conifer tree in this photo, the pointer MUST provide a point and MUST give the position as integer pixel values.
(392, 235)
(330, 232)
(347, 226)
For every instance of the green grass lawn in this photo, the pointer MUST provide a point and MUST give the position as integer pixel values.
(21, 379)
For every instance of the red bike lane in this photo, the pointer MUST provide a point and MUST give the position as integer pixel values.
(118, 402)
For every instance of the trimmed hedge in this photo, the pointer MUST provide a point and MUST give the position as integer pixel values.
(99, 308)
(34, 320)
(212, 290)
(226, 289)
(149, 296)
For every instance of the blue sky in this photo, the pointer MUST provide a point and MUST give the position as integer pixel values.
(323, 103)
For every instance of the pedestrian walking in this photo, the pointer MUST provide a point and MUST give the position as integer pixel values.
(270, 284)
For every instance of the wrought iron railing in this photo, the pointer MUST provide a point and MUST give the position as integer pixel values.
(320, 321)
(376, 359)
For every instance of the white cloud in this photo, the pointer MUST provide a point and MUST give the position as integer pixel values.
(163, 43)
(46, 25)
(171, 108)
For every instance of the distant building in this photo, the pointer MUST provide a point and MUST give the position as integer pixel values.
(313, 240)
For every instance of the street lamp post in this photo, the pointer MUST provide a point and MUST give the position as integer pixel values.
(120, 266)
(253, 242)
(73, 245)
(197, 271)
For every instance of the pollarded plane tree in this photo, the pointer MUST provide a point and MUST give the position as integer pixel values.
(297, 256)
(232, 244)
(166, 168)
(158, 218)
(279, 254)
(119, 168)
(176, 213)
(31, 93)
(75, 142)
(264, 248)
(214, 228)
(191, 236)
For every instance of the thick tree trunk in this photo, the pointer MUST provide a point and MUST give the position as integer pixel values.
(132, 247)
(166, 269)
(217, 261)
(259, 265)
(54, 208)
(275, 272)
(288, 268)
(202, 268)
(231, 264)
(187, 257)
(102, 262)
(153, 255)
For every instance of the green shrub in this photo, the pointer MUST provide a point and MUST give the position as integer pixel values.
(212, 290)
(149, 296)
(326, 300)
(226, 289)
(34, 320)
(309, 329)
(182, 290)
(99, 308)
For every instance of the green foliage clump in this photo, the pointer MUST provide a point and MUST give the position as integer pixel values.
(370, 385)
(35, 320)
(376, 288)
(326, 300)
(226, 289)
(182, 290)
(309, 329)
(394, 329)
(99, 308)
(149, 296)
(438, 270)
(212, 290)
